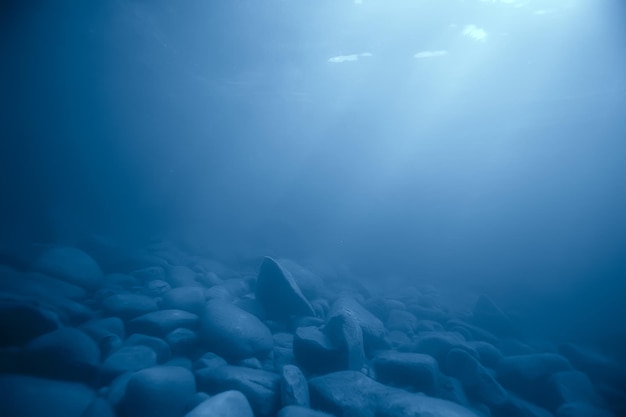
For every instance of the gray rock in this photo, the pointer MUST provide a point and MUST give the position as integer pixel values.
(279, 293)
(350, 393)
(27, 396)
(299, 411)
(69, 264)
(23, 319)
(181, 276)
(66, 353)
(160, 323)
(225, 404)
(371, 326)
(129, 358)
(128, 306)
(316, 352)
(161, 391)
(232, 332)
(294, 389)
(414, 370)
(190, 299)
(260, 387)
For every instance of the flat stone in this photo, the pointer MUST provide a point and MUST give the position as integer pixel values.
(160, 346)
(371, 326)
(316, 352)
(294, 389)
(279, 293)
(190, 299)
(225, 404)
(232, 332)
(413, 370)
(129, 358)
(128, 305)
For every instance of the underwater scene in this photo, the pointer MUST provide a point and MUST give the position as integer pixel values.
(313, 208)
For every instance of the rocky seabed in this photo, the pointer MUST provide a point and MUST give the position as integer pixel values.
(105, 331)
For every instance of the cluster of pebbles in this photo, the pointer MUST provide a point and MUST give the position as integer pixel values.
(100, 331)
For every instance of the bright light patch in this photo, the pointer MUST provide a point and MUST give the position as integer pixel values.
(358, 1)
(430, 54)
(542, 12)
(348, 58)
(475, 33)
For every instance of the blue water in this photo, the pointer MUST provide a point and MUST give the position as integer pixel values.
(477, 146)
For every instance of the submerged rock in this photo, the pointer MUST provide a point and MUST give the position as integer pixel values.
(69, 264)
(23, 319)
(160, 323)
(225, 404)
(279, 293)
(413, 370)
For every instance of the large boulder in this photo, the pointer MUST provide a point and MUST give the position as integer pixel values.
(22, 319)
(371, 326)
(232, 332)
(407, 370)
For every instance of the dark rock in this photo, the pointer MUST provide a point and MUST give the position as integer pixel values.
(22, 319)
(182, 341)
(116, 280)
(398, 339)
(598, 366)
(69, 264)
(294, 389)
(316, 352)
(299, 411)
(438, 344)
(488, 354)
(209, 360)
(225, 404)
(159, 323)
(66, 353)
(180, 361)
(478, 382)
(279, 293)
(413, 370)
(190, 299)
(237, 287)
(218, 292)
(253, 363)
(350, 393)
(101, 328)
(128, 306)
(451, 389)
(569, 387)
(151, 273)
(54, 286)
(260, 387)
(27, 396)
(117, 389)
(517, 407)
(252, 306)
(99, 408)
(311, 285)
(488, 315)
(157, 288)
(114, 257)
(527, 375)
(160, 346)
(474, 333)
(161, 391)
(195, 400)
(232, 332)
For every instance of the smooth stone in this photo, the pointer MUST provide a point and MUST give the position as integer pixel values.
(56, 286)
(69, 264)
(316, 352)
(471, 332)
(156, 288)
(595, 364)
(190, 299)
(209, 360)
(128, 306)
(232, 332)
(28, 396)
(195, 400)
(570, 387)
(129, 358)
(117, 389)
(218, 292)
(23, 319)
(225, 404)
(438, 344)
(252, 306)
(311, 284)
(160, 346)
(100, 328)
(182, 341)
(181, 276)
(160, 323)
(261, 388)
(351, 393)
(488, 354)
(294, 389)
(66, 353)
(151, 273)
(401, 320)
(381, 307)
(253, 363)
(237, 287)
(299, 411)
(345, 331)
(279, 293)
(121, 281)
(160, 391)
(428, 313)
(414, 370)
(518, 407)
(371, 326)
